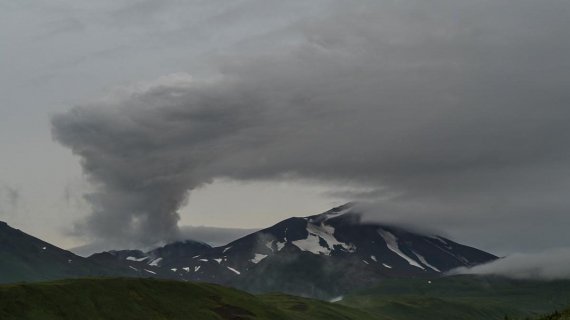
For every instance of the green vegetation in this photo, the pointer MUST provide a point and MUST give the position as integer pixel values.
(457, 298)
(564, 315)
(462, 297)
(304, 309)
(155, 299)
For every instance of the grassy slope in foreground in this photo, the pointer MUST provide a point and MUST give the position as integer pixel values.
(564, 315)
(462, 297)
(155, 299)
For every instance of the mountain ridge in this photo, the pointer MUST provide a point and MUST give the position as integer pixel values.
(320, 255)
(323, 256)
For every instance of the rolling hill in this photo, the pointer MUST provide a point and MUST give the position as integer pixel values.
(457, 298)
(462, 298)
(127, 298)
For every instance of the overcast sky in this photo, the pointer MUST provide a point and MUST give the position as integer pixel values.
(126, 120)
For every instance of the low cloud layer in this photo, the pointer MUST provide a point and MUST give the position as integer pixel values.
(449, 113)
(549, 265)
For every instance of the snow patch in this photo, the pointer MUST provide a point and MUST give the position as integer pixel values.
(149, 271)
(204, 260)
(133, 268)
(136, 259)
(337, 299)
(387, 266)
(373, 258)
(155, 262)
(173, 269)
(269, 244)
(187, 269)
(234, 270)
(424, 262)
(226, 249)
(440, 240)
(312, 242)
(258, 257)
(218, 260)
(196, 268)
(365, 261)
(392, 244)
(280, 245)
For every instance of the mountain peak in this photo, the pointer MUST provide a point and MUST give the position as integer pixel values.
(346, 212)
(330, 252)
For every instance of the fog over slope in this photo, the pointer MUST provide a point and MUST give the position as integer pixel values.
(549, 265)
(451, 114)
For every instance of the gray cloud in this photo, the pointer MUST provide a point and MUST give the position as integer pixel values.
(551, 264)
(447, 113)
(9, 200)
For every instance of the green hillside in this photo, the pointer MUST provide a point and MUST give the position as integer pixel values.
(126, 299)
(564, 315)
(462, 297)
(457, 298)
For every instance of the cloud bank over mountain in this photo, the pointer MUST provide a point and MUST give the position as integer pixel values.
(549, 265)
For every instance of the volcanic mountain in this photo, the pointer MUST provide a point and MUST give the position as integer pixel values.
(322, 256)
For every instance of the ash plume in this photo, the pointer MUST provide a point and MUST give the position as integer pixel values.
(451, 111)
